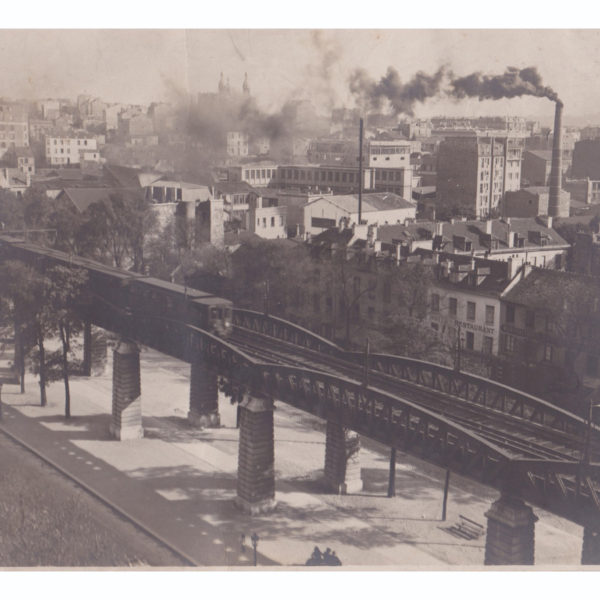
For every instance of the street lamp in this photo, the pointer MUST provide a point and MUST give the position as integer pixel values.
(459, 343)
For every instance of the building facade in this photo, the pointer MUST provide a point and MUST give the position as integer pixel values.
(475, 171)
(69, 150)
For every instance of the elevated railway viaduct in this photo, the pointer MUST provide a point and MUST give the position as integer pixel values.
(529, 450)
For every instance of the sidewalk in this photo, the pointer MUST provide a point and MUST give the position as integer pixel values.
(180, 482)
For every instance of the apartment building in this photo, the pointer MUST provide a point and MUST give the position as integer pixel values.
(237, 143)
(14, 126)
(475, 171)
(550, 335)
(465, 300)
(71, 150)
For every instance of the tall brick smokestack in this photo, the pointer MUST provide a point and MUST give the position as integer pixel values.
(554, 208)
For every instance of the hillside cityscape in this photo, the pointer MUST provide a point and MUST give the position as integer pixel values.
(470, 244)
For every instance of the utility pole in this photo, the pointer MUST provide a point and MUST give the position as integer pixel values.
(360, 169)
(392, 478)
(446, 488)
(458, 348)
(366, 371)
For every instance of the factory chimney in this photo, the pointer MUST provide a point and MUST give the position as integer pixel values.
(556, 168)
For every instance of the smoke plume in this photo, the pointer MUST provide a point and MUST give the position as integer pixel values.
(401, 97)
(320, 74)
(511, 84)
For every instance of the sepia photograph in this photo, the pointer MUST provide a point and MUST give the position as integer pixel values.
(305, 299)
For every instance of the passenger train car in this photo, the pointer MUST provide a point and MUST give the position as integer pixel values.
(141, 295)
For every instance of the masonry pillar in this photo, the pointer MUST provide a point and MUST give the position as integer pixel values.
(256, 473)
(204, 395)
(590, 551)
(95, 350)
(127, 402)
(510, 538)
(342, 460)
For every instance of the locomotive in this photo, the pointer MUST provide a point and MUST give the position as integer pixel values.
(121, 289)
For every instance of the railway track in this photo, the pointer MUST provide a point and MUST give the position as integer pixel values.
(497, 428)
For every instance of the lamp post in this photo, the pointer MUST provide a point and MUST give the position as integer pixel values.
(459, 342)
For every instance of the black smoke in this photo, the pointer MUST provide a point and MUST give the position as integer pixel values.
(401, 97)
(512, 83)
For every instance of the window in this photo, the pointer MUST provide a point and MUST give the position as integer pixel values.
(435, 326)
(470, 340)
(510, 313)
(509, 343)
(489, 315)
(371, 313)
(435, 302)
(272, 221)
(488, 344)
(471, 311)
(548, 352)
(530, 319)
(453, 306)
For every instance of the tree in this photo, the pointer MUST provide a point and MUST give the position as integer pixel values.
(11, 211)
(22, 287)
(43, 306)
(266, 272)
(64, 295)
(117, 229)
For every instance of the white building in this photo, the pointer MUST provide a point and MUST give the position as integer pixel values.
(69, 150)
(237, 143)
(267, 221)
(377, 209)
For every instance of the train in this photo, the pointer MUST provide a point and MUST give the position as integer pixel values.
(134, 293)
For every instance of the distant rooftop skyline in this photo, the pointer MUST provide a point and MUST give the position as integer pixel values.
(142, 66)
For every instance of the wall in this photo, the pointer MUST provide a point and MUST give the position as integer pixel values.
(536, 170)
(269, 223)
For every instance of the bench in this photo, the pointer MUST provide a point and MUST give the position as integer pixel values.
(466, 528)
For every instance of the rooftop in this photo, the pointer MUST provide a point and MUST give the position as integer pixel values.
(474, 231)
(541, 285)
(543, 154)
(370, 202)
(83, 198)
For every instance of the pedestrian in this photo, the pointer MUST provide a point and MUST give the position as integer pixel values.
(316, 558)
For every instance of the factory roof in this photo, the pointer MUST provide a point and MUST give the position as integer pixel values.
(370, 202)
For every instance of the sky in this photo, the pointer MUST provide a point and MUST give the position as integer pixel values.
(141, 66)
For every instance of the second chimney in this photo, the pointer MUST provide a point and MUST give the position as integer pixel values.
(556, 169)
